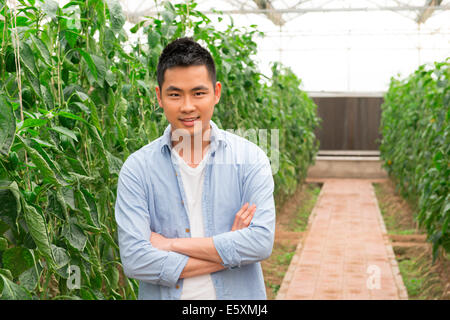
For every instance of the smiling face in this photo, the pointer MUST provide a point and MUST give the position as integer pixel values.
(188, 98)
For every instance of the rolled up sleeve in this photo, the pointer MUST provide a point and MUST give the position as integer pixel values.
(139, 258)
(254, 243)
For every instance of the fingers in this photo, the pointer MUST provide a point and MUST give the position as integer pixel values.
(247, 213)
(242, 210)
(244, 217)
(238, 215)
(250, 215)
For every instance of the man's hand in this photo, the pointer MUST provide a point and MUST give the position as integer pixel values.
(161, 242)
(243, 217)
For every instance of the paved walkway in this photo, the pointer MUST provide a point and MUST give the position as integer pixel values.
(345, 253)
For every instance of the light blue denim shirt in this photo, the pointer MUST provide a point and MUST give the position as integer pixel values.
(150, 197)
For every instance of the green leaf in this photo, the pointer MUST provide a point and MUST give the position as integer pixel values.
(84, 207)
(41, 164)
(29, 279)
(108, 238)
(71, 36)
(154, 38)
(83, 107)
(48, 97)
(82, 178)
(115, 164)
(61, 256)
(86, 294)
(92, 202)
(94, 116)
(3, 244)
(38, 230)
(17, 259)
(90, 63)
(110, 78)
(100, 66)
(83, 97)
(68, 197)
(44, 143)
(65, 131)
(446, 215)
(34, 82)
(75, 237)
(27, 57)
(116, 16)
(7, 273)
(12, 291)
(10, 208)
(168, 16)
(137, 26)
(69, 115)
(50, 7)
(42, 49)
(113, 277)
(7, 126)
(28, 123)
(93, 133)
(60, 198)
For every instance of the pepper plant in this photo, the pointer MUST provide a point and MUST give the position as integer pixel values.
(76, 99)
(415, 126)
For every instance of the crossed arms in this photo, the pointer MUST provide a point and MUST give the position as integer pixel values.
(203, 256)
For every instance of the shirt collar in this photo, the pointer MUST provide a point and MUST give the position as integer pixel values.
(217, 136)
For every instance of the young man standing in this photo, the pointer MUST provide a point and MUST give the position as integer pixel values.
(195, 208)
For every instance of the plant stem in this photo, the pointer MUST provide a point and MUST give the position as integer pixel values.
(47, 281)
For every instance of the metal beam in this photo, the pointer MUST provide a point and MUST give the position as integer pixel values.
(135, 17)
(307, 10)
(399, 3)
(271, 13)
(426, 13)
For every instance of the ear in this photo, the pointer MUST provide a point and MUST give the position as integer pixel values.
(158, 96)
(217, 92)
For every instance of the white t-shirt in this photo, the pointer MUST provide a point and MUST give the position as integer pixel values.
(199, 287)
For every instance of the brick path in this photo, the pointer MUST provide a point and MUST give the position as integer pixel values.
(345, 253)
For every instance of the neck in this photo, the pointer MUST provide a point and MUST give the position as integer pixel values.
(192, 148)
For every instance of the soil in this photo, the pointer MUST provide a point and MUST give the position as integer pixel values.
(287, 236)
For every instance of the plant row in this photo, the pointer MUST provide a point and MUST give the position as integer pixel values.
(415, 126)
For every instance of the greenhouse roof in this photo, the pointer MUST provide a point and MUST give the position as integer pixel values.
(334, 45)
(282, 11)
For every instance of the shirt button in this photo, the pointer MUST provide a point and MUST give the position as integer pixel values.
(182, 202)
(188, 230)
(177, 286)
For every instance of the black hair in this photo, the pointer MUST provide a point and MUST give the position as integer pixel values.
(184, 52)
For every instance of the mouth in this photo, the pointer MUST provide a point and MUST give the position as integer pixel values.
(189, 122)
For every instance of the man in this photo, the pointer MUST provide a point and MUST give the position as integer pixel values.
(195, 208)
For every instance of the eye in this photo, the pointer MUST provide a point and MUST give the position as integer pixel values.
(174, 94)
(199, 93)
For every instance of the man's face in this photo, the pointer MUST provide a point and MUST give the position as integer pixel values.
(188, 97)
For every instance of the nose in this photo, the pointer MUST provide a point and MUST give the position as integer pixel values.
(188, 105)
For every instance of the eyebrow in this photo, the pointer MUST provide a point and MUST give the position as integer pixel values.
(173, 88)
(200, 87)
